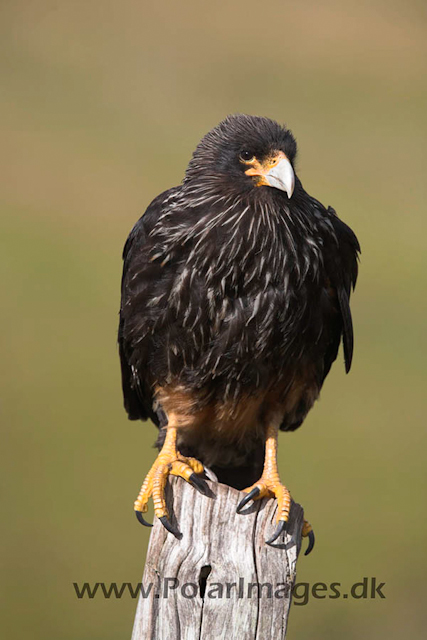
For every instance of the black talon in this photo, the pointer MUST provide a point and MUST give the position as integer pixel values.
(311, 541)
(248, 497)
(167, 525)
(140, 519)
(199, 484)
(280, 529)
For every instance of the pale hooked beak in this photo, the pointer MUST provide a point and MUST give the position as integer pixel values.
(276, 171)
(282, 176)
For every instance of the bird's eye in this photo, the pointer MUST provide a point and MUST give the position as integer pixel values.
(246, 156)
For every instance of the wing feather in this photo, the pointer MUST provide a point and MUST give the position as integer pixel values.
(343, 270)
(137, 392)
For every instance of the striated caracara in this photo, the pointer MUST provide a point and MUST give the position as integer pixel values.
(235, 297)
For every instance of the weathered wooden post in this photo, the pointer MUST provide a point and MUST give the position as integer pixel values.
(220, 580)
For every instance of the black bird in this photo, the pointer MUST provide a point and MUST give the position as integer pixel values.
(235, 297)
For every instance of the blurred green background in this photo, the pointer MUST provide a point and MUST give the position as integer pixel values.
(102, 105)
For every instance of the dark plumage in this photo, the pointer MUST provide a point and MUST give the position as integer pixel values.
(235, 298)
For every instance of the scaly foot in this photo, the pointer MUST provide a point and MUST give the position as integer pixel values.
(168, 462)
(269, 486)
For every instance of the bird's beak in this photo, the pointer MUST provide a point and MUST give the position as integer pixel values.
(282, 176)
(275, 172)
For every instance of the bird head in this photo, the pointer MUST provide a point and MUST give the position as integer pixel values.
(248, 152)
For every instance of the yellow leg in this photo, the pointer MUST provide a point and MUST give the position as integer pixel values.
(168, 462)
(269, 486)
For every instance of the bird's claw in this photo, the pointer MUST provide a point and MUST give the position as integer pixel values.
(311, 541)
(168, 462)
(199, 483)
(141, 519)
(169, 527)
(307, 532)
(253, 493)
(267, 487)
(279, 530)
(164, 520)
(270, 487)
